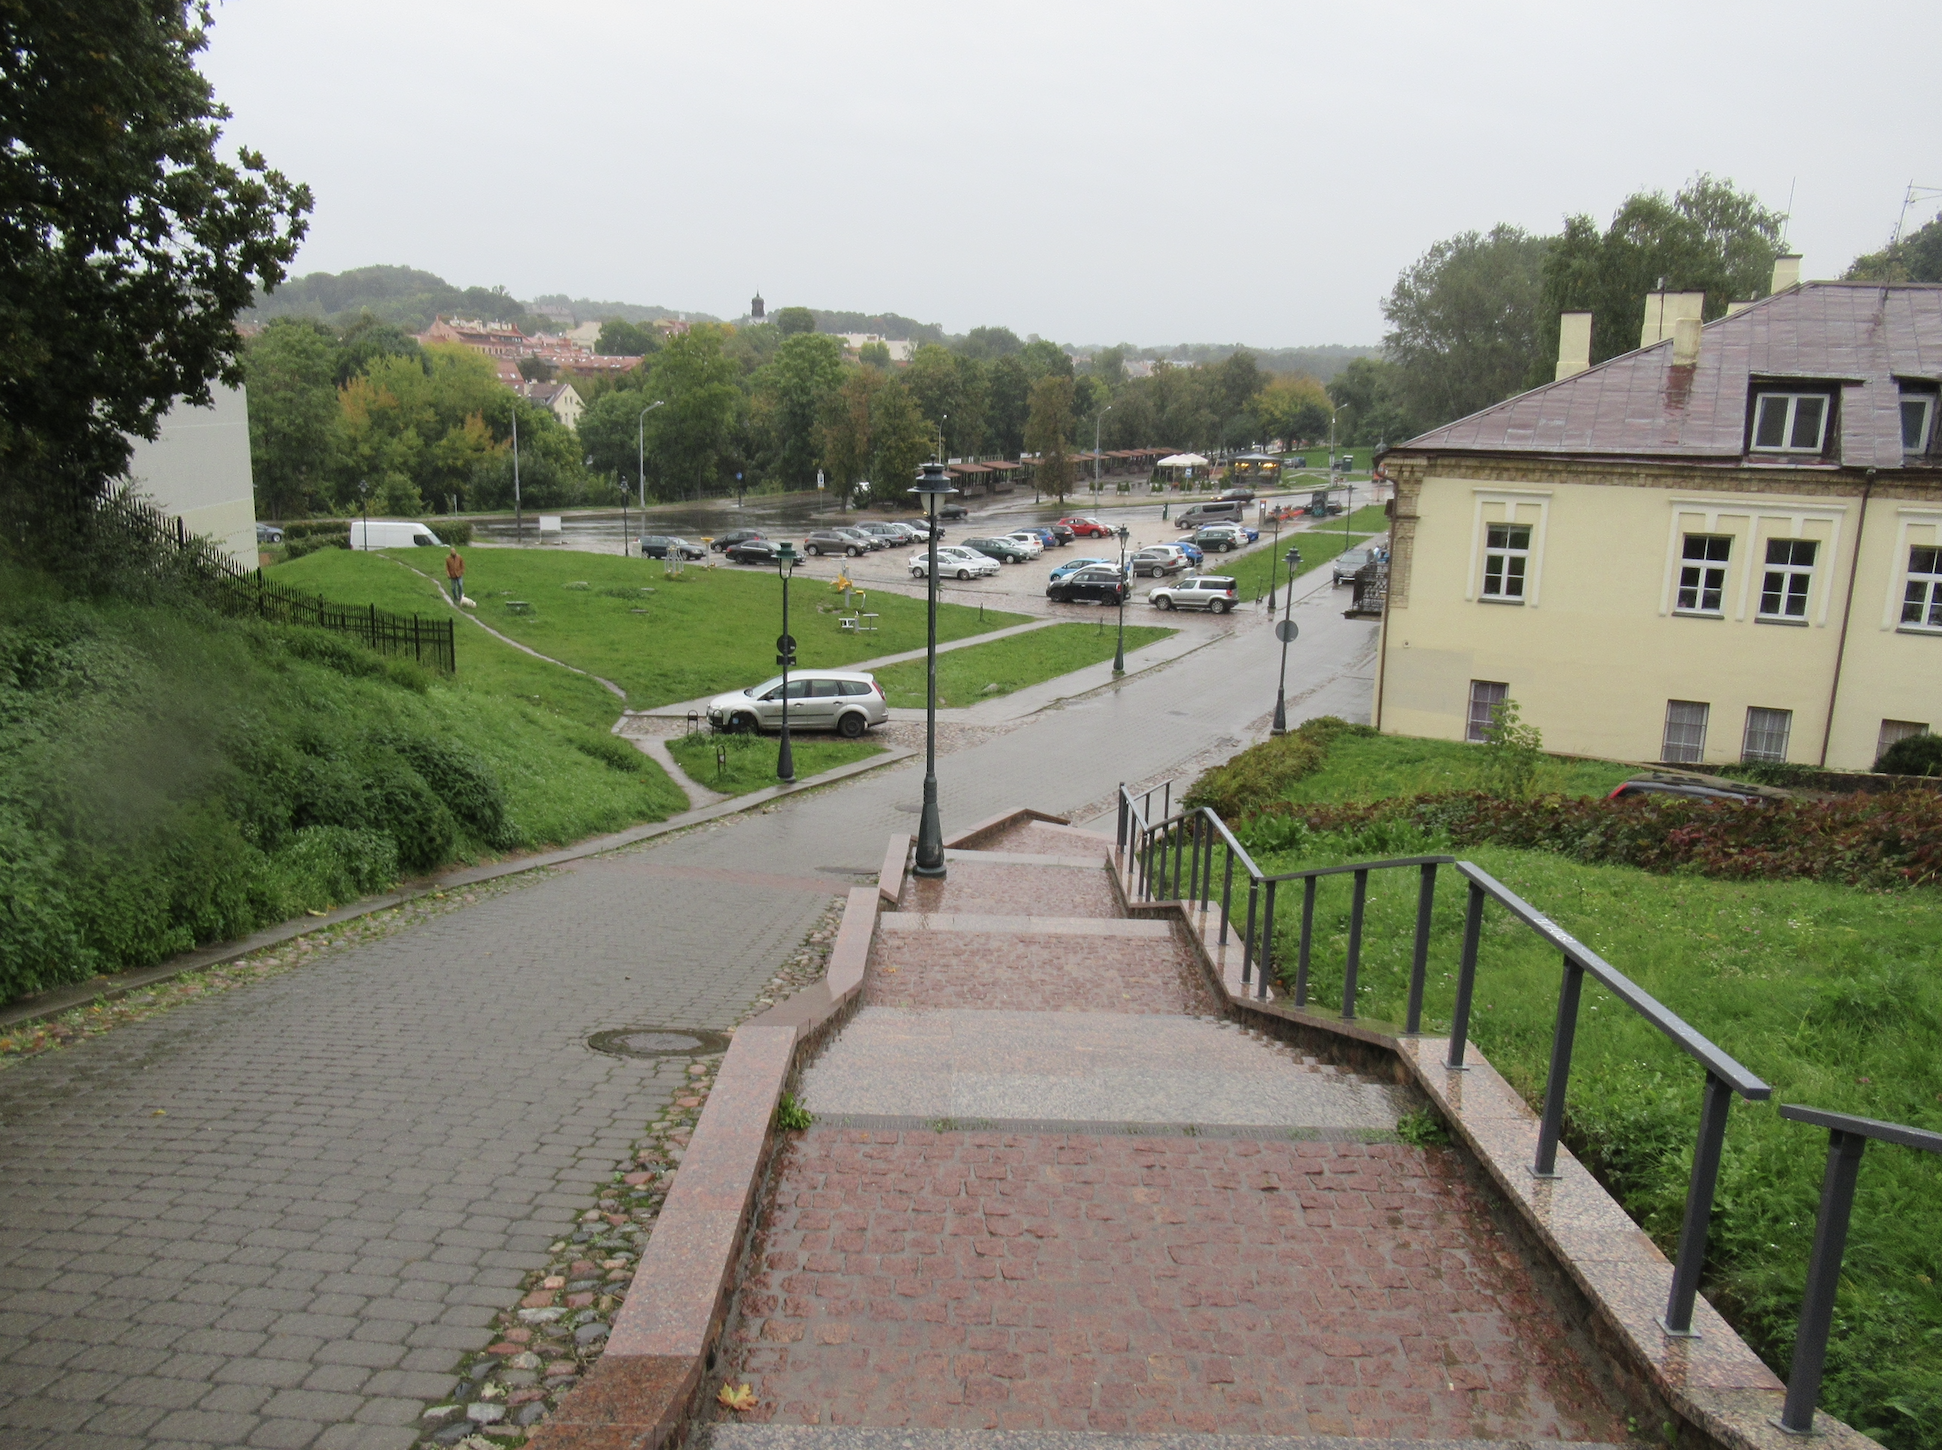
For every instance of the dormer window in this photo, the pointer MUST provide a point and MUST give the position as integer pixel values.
(1789, 422)
(1918, 421)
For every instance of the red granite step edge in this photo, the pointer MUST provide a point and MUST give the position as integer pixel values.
(1714, 1383)
(995, 825)
(890, 880)
(646, 1383)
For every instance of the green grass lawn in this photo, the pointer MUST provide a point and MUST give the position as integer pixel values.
(1319, 546)
(659, 639)
(751, 758)
(966, 676)
(1832, 994)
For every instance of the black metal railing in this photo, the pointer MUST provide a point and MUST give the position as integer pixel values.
(227, 586)
(1154, 854)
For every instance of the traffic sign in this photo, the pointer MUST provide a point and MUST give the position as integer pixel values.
(1286, 630)
(785, 643)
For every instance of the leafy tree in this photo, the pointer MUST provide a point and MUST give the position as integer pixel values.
(687, 438)
(620, 338)
(1042, 358)
(1048, 433)
(294, 422)
(536, 370)
(1293, 407)
(367, 338)
(1367, 392)
(986, 344)
(1109, 366)
(1464, 322)
(128, 247)
(792, 320)
(608, 431)
(789, 396)
(844, 439)
(874, 355)
(1707, 238)
(1916, 258)
(900, 440)
(1008, 405)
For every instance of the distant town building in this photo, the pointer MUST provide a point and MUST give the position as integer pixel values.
(568, 353)
(560, 399)
(900, 348)
(755, 308)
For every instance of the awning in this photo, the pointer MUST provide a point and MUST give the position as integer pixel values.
(1182, 460)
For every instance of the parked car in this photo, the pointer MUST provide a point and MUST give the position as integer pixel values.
(1192, 550)
(1158, 560)
(670, 546)
(1062, 534)
(1243, 495)
(847, 702)
(733, 537)
(867, 540)
(1221, 539)
(1005, 551)
(832, 541)
(1350, 560)
(952, 511)
(392, 534)
(1027, 540)
(1215, 511)
(1073, 566)
(268, 534)
(1044, 533)
(1086, 528)
(1213, 592)
(1093, 584)
(752, 551)
(954, 561)
(920, 529)
(890, 533)
(1687, 789)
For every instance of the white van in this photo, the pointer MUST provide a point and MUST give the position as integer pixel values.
(392, 534)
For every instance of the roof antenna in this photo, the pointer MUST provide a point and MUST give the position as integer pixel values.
(1909, 198)
(1787, 216)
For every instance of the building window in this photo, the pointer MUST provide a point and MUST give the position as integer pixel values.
(1485, 697)
(1790, 569)
(1789, 422)
(1895, 731)
(1918, 417)
(1685, 742)
(1702, 577)
(1922, 598)
(1766, 734)
(1506, 554)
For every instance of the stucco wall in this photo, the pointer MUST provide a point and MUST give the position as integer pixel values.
(199, 470)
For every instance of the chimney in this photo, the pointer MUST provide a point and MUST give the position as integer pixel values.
(1663, 311)
(1574, 343)
(1786, 271)
(1736, 307)
(1685, 342)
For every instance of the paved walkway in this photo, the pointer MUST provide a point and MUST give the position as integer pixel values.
(1127, 1215)
(280, 1217)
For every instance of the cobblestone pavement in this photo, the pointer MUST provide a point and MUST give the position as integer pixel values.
(283, 1215)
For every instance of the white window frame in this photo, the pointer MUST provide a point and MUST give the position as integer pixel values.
(1929, 582)
(1927, 429)
(1767, 734)
(1918, 527)
(1507, 504)
(1750, 526)
(1513, 561)
(1698, 747)
(1787, 572)
(1475, 725)
(1704, 571)
(1764, 397)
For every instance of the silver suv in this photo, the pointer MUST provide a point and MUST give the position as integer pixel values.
(840, 700)
(1213, 592)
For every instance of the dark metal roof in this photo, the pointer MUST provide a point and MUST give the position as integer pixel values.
(1861, 337)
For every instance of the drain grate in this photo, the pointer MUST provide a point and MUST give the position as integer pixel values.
(658, 1042)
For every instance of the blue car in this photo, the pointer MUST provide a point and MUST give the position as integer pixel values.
(1072, 565)
(1192, 550)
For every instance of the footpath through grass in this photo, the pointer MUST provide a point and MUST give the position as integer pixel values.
(751, 758)
(985, 671)
(1831, 993)
(660, 639)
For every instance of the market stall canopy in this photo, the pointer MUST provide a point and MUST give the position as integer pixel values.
(1182, 460)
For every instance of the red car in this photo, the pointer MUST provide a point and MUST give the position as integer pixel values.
(1087, 528)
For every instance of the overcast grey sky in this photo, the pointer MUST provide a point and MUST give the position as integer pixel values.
(1204, 170)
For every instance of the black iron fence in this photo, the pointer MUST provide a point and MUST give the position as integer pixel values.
(1191, 856)
(235, 590)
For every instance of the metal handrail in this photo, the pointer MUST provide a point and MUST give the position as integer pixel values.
(1147, 849)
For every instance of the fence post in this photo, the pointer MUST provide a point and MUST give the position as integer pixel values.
(1823, 1278)
(1121, 838)
(1718, 1098)
(1420, 963)
(1304, 952)
(1466, 975)
(1552, 1122)
(1179, 846)
(1193, 860)
(1353, 967)
(1267, 943)
(1226, 894)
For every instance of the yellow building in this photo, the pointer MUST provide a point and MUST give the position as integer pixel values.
(1726, 545)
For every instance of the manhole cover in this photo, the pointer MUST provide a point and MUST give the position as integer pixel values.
(908, 809)
(658, 1042)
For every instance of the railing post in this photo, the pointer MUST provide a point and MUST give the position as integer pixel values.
(1466, 976)
(1179, 843)
(1552, 1122)
(1353, 967)
(1226, 894)
(1823, 1278)
(1120, 840)
(1193, 861)
(1678, 1320)
(1267, 944)
(1248, 943)
(1305, 954)
(1419, 964)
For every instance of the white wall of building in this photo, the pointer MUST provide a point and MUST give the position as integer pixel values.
(198, 470)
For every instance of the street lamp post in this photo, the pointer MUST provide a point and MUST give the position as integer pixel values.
(640, 450)
(1119, 649)
(1287, 632)
(1273, 560)
(785, 655)
(932, 484)
(518, 519)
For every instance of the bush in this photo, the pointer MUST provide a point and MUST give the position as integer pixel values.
(1917, 755)
(1256, 779)
(325, 866)
(296, 548)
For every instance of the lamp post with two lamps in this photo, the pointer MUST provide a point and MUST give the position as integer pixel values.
(1285, 631)
(933, 483)
(786, 559)
(1119, 649)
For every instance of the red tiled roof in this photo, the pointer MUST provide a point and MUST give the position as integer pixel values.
(1861, 336)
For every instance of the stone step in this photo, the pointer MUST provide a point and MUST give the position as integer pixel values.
(854, 1437)
(1112, 1069)
(1005, 884)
